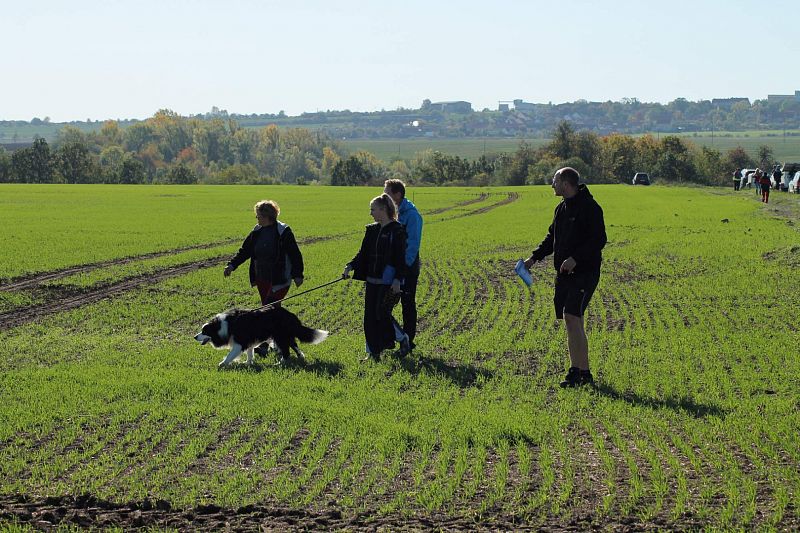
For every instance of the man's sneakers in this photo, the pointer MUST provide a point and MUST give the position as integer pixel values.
(577, 378)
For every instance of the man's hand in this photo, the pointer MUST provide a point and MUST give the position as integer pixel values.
(529, 263)
(567, 266)
(346, 273)
(227, 271)
(396, 286)
(298, 281)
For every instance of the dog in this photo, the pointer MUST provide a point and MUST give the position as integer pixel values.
(241, 331)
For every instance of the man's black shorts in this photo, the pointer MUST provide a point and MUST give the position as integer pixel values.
(573, 292)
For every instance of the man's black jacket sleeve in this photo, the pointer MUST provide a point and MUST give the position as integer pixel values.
(595, 235)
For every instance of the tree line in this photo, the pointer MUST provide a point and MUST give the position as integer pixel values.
(171, 149)
(611, 158)
(168, 148)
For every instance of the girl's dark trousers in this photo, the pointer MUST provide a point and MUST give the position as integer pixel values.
(378, 328)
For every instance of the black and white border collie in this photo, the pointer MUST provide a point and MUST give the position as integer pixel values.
(241, 331)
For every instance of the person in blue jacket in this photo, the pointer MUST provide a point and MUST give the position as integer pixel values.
(411, 220)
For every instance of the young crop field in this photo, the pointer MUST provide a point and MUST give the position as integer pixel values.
(113, 416)
(785, 148)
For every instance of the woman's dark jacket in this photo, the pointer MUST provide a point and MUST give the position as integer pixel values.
(381, 246)
(577, 231)
(290, 261)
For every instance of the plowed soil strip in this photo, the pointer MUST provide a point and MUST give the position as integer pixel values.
(88, 512)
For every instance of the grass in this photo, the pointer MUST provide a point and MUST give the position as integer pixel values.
(694, 422)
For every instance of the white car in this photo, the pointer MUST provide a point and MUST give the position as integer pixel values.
(783, 182)
(794, 185)
(747, 177)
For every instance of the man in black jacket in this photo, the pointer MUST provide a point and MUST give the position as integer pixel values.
(575, 238)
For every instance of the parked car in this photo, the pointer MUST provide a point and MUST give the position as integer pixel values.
(747, 177)
(794, 185)
(789, 171)
(641, 178)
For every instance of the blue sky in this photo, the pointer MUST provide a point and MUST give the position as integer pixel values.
(113, 59)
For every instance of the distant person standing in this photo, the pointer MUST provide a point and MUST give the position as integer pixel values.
(275, 258)
(763, 179)
(776, 177)
(757, 182)
(411, 220)
(737, 179)
(576, 239)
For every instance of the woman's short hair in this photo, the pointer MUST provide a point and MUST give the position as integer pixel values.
(268, 208)
(385, 201)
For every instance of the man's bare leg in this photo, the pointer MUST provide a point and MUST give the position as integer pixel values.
(577, 342)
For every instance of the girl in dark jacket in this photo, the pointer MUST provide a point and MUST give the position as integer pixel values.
(275, 258)
(380, 262)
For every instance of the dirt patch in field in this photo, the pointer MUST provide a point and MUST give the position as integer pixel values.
(88, 512)
(787, 257)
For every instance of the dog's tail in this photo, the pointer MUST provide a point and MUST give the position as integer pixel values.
(311, 336)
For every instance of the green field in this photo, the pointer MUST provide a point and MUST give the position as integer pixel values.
(784, 148)
(111, 415)
(389, 149)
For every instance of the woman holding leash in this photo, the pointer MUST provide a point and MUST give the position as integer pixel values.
(275, 258)
(380, 262)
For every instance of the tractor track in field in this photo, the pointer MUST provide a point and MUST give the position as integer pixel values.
(71, 299)
(483, 196)
(510, 197)
(34, 280)
(67, 299)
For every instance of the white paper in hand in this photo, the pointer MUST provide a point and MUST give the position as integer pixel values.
(523, 273)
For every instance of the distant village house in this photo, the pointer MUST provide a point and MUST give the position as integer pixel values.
(727, 103)
(458, 106)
